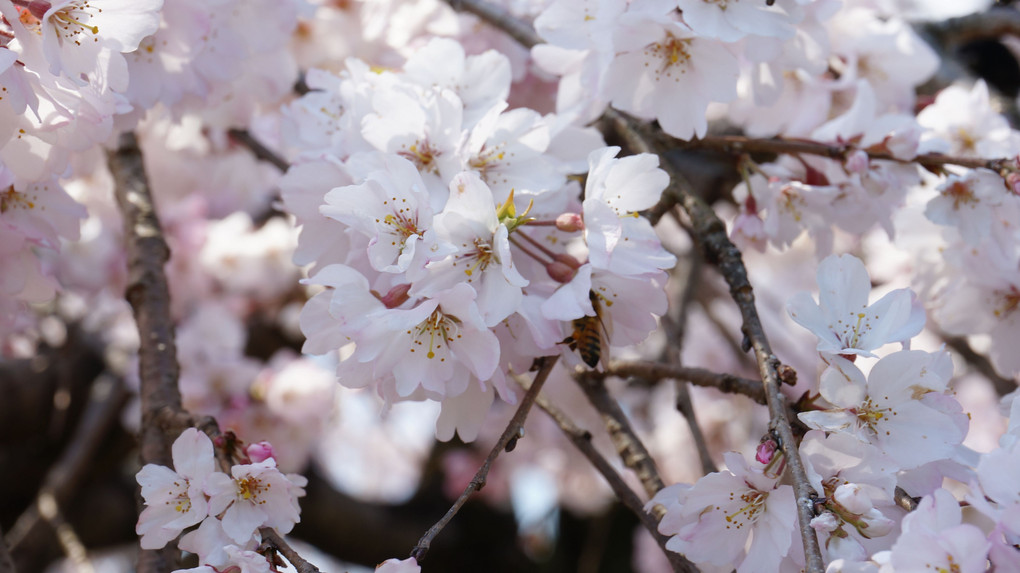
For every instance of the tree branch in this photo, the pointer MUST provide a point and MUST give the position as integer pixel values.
(6, 563)
(981, 363)
(654, 371)
(582, 441)
(149, 296)
(511, 432)
(106, 399)
(737, 144)
(718, 250)
(262, 152)
(276, 541)
(500, 18)
(632, 451)
(988, 25)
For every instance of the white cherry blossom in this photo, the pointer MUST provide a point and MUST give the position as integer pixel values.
(843, 320)
(175, 499)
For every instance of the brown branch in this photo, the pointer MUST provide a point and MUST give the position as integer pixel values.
(500, 18)
(675, 328)
(147, 291)
(6, 563)
(49, 510)
(106, 399)
(632, 451)
(980, 363)
(262, 152)
(654, 371)
(719, 251)
(989, 25)
(511, 432)
(738, 144)
(276, 541)
(582, 441)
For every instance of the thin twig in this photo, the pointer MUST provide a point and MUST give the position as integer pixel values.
(981, 363)
(675, 328)
(6, 563)
(653, 371)
(719, 251)
(630, 447)
(49, 510)
(276, 541)
(582, 441)
(106, 398)
(262, 152)
(500, 18)
(738, 144)
(511, 432)
(989, 25)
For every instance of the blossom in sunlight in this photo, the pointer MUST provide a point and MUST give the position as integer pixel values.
(843, 320)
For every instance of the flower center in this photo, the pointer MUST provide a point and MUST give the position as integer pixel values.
(423, 155)
(437, 329)
(754, 503)
(249, 488)
(672, 56)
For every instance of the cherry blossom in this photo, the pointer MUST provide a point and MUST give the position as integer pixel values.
(843, 320)
(176, 500)
(739, 518)
(888, 409)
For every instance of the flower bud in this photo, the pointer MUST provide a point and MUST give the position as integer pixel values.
(765, 451)
(396, 296)
(260, 452)
(1013, 181)
(560, 272)
(825, 523)
(852, 497)
(857, 161)
(875, 524)
(570, 222)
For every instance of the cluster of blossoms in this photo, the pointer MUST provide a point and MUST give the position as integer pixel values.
(451, 235)
(228, 509)
(455, 248)
(897, 427)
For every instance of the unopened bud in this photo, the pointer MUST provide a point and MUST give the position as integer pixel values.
(570, 222)
(857, 161)
(766, 450)
(1013, 181)
(396, 296)
(260, 452)
(560, 272)
(852, 497)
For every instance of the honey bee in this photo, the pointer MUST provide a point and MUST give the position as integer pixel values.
(590, 337)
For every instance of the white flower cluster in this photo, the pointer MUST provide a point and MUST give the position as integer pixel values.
(898, 427)
(228, 509)
(453, 245)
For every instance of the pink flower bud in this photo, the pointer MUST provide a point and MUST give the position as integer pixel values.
(1013, 181)
(560, 272)
(570, 222)
(259, 452)
(857, 161)
(396, 297)
(765, 451)
(568, 260)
